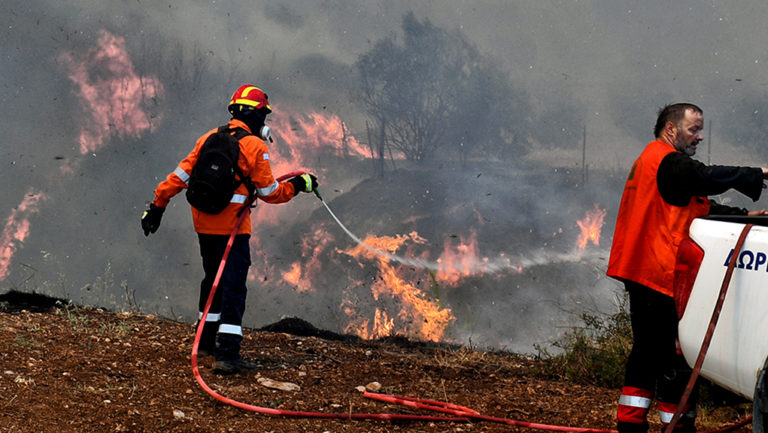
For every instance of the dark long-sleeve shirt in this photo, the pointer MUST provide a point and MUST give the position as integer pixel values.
(681, 177)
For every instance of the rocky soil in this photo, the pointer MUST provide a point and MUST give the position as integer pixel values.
(65, 368)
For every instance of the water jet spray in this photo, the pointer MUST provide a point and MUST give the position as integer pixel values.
(495, 265)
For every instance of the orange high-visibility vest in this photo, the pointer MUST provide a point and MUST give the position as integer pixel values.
(648, 229)
(253, 162)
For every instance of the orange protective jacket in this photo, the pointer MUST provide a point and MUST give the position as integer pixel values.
(253, 162)
(648, 229)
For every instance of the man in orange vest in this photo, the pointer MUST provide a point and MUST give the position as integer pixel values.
(222, 331)
(665, 190)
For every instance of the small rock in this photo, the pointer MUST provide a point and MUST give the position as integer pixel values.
(179, 414)
(360, 388)
(373, 386)
(24, 380)
(274, 384)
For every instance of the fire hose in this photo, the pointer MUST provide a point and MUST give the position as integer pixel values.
(460, 413)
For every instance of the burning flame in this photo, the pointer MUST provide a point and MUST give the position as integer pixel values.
(590, 227)
(419, 316)
(294, 275)
(16, 229)
(316, 131)
(462, 260)
(116, 98)
(382, 326)
(298, 137)
(302, 272)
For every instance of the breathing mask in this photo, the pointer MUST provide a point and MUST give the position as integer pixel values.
(265, 133)
(255, 121)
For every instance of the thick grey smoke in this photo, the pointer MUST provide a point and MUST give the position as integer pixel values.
(603, 65)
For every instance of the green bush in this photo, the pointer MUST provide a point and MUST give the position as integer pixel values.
(593, 353)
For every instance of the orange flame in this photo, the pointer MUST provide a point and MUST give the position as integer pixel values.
(16, 229)
(591, 226)
(383, 326)
(459, 261)
(116, 98)
(419, 316)
(317, 131)
(294, 275)
(462, 260)
(301, 273)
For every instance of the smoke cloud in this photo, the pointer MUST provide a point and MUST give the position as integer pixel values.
(101, 100)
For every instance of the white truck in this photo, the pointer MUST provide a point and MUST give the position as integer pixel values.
(737, 357)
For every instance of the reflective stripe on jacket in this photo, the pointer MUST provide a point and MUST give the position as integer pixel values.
(253, 162)
(648, 229)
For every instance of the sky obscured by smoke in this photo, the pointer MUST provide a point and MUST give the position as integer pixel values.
(616, 62)
(620, 60)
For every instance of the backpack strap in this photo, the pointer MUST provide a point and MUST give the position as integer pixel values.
(245, 180)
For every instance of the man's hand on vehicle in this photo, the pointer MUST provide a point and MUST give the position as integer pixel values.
(150, 221)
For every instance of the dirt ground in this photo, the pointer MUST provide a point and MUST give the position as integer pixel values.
(72, 369)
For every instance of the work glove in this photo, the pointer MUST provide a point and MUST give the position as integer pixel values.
(150, 221)
(304, 183)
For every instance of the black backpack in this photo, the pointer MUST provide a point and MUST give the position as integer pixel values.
(216, 175)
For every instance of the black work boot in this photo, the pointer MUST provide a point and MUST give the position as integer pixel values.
(628, 427)
(228, 359)
(202, 353)
(207, 345)
(234, 366)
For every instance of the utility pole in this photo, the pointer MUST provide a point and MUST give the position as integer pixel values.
(584, 157)
(709, 144)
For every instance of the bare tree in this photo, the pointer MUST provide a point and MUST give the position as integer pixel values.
(435, 93)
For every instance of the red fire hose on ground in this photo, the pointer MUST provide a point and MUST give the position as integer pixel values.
(460, 413)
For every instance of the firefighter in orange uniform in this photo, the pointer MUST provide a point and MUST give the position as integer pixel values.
(665, 190)
(222, 331)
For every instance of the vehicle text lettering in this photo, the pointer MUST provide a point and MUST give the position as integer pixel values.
(749, 260)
